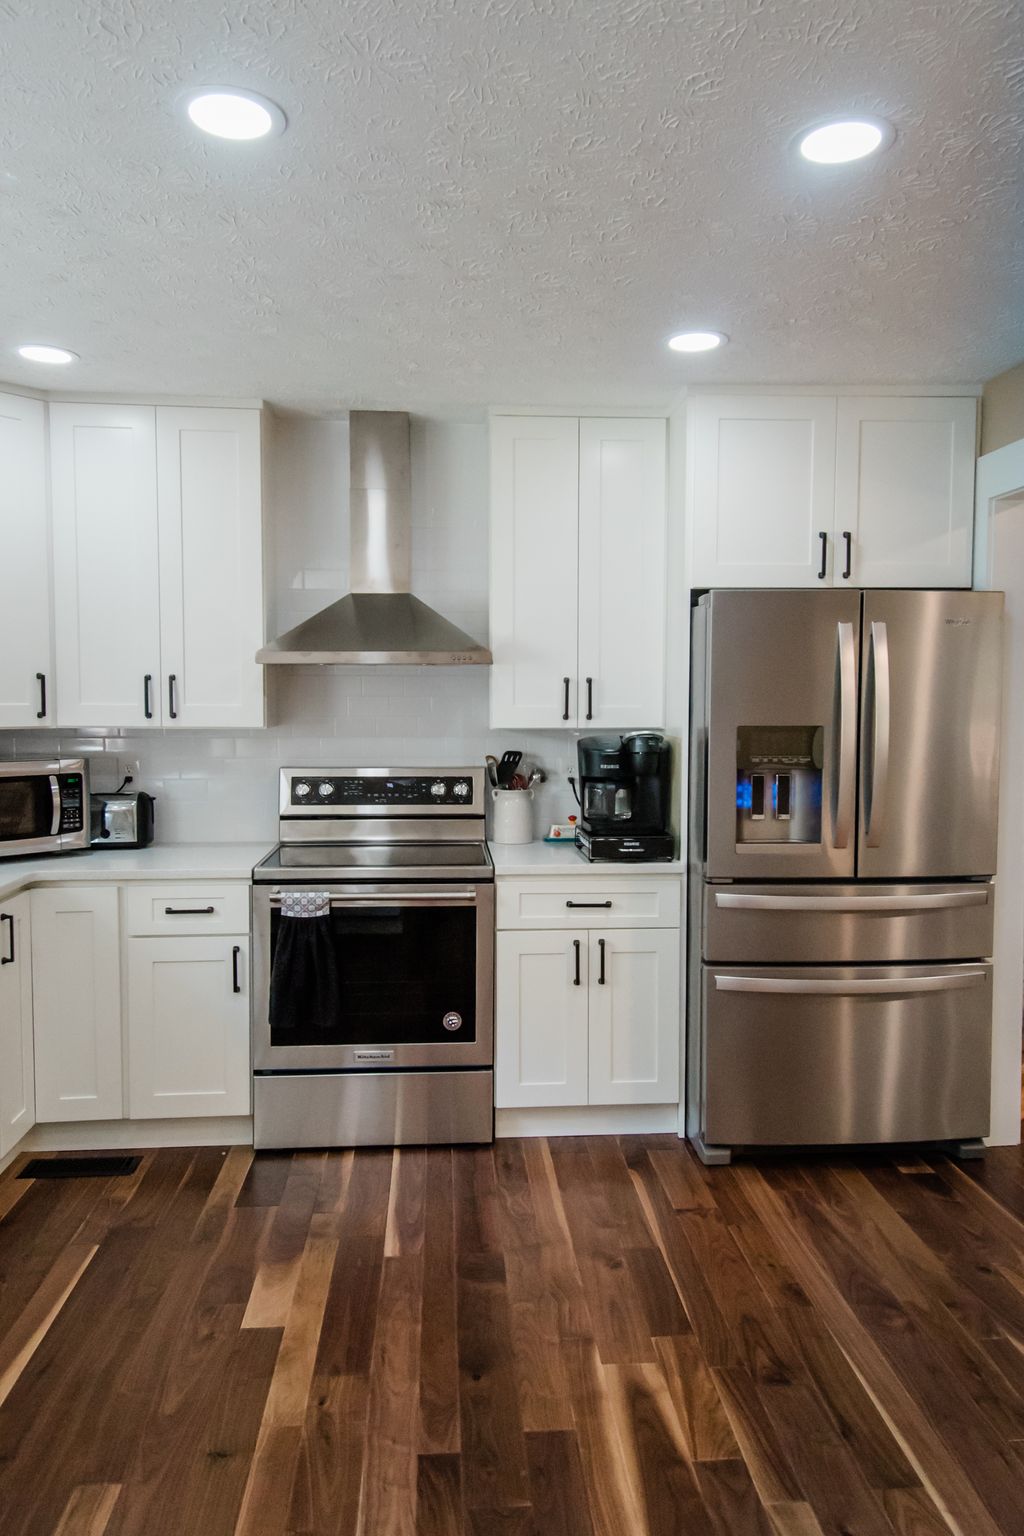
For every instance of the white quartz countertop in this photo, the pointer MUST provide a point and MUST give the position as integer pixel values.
(540, 858)
(174, 861)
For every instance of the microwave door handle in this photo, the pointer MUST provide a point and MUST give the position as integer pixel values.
(865, 986)
(55, 796)
(878, 766)
(845, 748)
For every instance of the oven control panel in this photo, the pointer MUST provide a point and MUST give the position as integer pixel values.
(319, 791)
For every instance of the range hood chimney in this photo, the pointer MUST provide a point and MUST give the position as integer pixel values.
(379, 621)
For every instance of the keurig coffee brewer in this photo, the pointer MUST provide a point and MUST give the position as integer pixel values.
(624, 797)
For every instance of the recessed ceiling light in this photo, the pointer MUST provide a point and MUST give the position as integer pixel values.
(34, 352)
(696, 341)
(849, 139)
(228, 113)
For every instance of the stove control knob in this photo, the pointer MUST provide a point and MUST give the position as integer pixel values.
(325, 790)
(437, 789)
(301, 790)
(461, 789)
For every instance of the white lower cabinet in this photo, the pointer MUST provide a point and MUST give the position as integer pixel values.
(587, 1017)
(76, 1003)
(188, 1026)
(17, 1087)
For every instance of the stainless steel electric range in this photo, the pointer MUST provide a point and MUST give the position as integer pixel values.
(373, 985)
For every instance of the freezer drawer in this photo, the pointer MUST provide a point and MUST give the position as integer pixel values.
(847, 924)
(842, 1054)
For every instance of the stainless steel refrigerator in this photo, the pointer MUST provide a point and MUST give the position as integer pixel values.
(844, 780)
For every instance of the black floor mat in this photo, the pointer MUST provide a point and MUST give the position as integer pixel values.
(79, 1167)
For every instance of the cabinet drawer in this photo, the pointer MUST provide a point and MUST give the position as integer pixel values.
(186, 908)
(603, 902)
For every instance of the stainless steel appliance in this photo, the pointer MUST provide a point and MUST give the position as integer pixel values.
(121, 821)
(43, 806)
(844, 780)
(625, 784)
(373, 1018)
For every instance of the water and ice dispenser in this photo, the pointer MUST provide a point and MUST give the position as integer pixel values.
(778, 783)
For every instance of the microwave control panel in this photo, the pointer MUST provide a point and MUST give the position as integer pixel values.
(72, 810)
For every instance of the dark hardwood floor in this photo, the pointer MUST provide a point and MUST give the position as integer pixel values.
(583, 1337)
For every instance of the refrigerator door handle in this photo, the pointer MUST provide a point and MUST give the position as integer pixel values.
(891, 986)
(846, 734)
(878, 710)
(933, 901)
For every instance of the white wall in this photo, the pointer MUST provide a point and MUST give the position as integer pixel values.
(223, 787)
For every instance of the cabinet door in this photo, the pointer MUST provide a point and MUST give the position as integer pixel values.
(761, 477)
(534, 562)
(26, 660)
(541, 1019)
(106, 588)
(905, 491)
(211, 566)
(17, 1086)
(76, 989)
(188, 1027)
(622, 573)
(635, 1017)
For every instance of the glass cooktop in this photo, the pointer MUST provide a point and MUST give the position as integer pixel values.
(342, 861)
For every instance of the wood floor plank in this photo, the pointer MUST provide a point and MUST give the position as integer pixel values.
(912, 1513)
(731, 1499)
(702, 1417)
(273, 1289)
(439, 1361)
(664, 1485)
(387, 1504)
(21, 1341)
(609, 1475)
(439, 1496)
(558, 1491)
(88, 1510)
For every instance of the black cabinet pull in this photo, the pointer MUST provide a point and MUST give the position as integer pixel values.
(600, 974)
(824, 555)
(590, 698)
(236, 985)
(588, 903)
(8, 917)
(576, 947)
(849, 555)
(171, 710)
(41, 680)
(189, 911)
(147, 695)
(565, 700)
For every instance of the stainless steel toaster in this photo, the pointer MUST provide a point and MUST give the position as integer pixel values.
(121, 821)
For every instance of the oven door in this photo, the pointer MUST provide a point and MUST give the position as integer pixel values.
(398, 976)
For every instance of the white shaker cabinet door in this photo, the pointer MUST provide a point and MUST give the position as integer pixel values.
(534, 556)
(211, 567)
(26, 659)
(761, 479)
(622, 573)
(105, 576)
(541, 1019)
(17, 1085)
(635, 1017)
(188, 1027)
(905, 491)
(76, 989)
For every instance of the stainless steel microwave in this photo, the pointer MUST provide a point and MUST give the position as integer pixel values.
(44, 806)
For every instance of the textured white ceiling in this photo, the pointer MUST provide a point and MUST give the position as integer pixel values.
(514, 201)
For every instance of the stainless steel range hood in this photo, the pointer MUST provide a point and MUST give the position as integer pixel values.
(379, 621)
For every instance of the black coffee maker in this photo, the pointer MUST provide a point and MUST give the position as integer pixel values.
(625, 783)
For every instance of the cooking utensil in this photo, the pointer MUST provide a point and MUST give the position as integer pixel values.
(518, 781)
(492, 769)
(507, 767)
(538, 776)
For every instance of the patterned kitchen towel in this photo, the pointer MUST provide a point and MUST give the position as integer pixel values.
(305, 903)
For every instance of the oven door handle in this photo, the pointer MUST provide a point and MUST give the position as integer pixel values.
(398, 899)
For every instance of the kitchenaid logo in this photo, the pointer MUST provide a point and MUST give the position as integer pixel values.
(957, 623)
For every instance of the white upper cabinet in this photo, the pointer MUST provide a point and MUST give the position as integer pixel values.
(577, 571)
(158, 580)
(761, 472)
(26, 660)
(622, 573)
(211, 568)
(905, 491)
(801, 491)
(105, 576)
(534, 555)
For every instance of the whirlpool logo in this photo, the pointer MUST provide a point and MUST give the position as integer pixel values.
(957, 623)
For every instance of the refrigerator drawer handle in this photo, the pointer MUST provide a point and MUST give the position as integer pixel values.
(878, 714)
(932, 902)
(846, 730)
(877, 986)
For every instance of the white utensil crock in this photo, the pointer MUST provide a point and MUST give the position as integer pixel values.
(513, 815)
